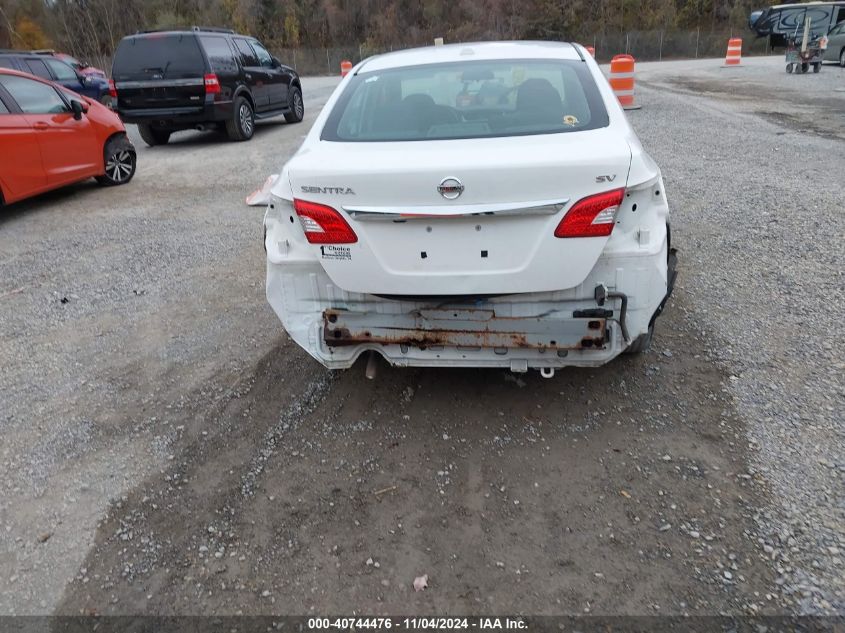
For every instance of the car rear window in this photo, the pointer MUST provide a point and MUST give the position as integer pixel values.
(475, 99)
(159, 56)
(219, 54)
(248, 57)
(38, 68)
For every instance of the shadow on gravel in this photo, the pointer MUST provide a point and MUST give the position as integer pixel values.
(47, 201)
(190, 138)
(295, 491)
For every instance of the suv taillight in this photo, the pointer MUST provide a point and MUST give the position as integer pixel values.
(212, 84)
(322, 224)
(593, 216)
(112, 89)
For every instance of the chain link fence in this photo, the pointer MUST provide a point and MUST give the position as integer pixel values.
(660, 45)
(643, 45)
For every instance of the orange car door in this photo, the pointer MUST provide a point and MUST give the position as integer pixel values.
(69, 149)
(21, 171)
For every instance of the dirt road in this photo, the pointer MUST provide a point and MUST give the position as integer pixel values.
(167, 449)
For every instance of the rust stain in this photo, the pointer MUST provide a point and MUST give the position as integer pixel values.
(336, 335)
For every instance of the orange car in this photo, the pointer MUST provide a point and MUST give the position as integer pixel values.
(51, 137)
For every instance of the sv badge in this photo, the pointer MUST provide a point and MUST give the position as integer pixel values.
(606, 178)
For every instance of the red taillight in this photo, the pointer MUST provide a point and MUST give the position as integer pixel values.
(591, 217)
(212, 85)
(112, 89)
(322, 224)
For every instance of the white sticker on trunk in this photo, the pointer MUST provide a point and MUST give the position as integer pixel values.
(336, 252)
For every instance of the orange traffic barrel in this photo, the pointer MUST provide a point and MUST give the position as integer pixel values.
(591, 50)
(734, 55)
(345, 67)
(622, 80)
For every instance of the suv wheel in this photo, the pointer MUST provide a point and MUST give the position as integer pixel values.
(241, 126)
(842, 58)
(297, 106)
(120, 161)
(153, 136)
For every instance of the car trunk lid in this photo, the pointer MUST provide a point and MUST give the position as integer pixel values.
(495, 237)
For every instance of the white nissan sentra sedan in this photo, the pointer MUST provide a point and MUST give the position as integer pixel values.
(471, 205)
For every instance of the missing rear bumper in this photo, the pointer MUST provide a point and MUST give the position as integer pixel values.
(464, 328)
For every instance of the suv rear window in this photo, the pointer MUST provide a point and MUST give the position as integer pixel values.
(461, 100)
(169, 55)
(219, 54)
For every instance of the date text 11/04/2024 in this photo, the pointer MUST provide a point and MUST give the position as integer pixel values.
(419, 623)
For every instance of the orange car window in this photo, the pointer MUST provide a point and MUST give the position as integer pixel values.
(33, 97)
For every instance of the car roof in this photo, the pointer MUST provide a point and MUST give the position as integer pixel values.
(24, 54)
(17, 73)
(482, 51)
(798, 5)
(196, 30)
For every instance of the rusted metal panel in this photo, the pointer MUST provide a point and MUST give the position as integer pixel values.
(463, 327)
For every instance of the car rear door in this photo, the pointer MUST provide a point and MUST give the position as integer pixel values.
(257, 77)
(69, 148)
(278, 81)
(159, 71)
(21, 170)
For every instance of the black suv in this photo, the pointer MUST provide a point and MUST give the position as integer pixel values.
(198, 78)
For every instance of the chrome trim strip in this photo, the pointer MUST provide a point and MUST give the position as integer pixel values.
(161, 83)
(540, 207)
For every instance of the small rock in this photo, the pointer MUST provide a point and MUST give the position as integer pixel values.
(665, 527)
(44, 537)
(420, 582)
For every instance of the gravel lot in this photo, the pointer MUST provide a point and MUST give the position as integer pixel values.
(167, 449)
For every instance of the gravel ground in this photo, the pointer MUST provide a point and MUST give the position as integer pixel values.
(758, 208)
(167, 449)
